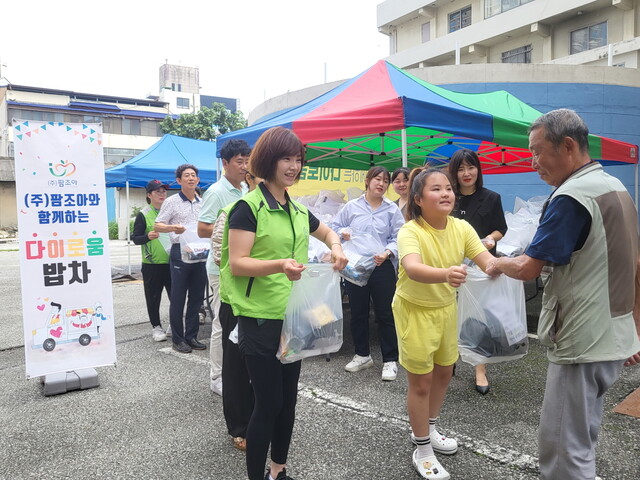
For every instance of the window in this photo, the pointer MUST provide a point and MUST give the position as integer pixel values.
(150, 128)
(460, 19)
(494, 7)
(115, 156)
(426, 32)
(112, 125)
(588, 38)
(183, 102)
(176, 87)
(517, 55)
(130, 126)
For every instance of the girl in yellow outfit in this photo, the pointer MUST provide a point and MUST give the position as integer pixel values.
(431, 248)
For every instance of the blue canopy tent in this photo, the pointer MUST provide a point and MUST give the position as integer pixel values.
(160, 162)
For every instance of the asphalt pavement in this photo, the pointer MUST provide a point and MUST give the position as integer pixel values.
(154, 417)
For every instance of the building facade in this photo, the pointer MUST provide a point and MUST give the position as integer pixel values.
(129, 125)
(452, 32)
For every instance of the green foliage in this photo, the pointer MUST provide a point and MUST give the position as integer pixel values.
(113, 230)
(135, 211)
(207, 124)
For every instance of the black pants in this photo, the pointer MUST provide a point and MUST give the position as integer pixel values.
(155, 277)
(381, 288)
(237, 393)
(186, 278)
(275, 389)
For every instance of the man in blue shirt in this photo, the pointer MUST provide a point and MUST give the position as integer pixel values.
(586, 248)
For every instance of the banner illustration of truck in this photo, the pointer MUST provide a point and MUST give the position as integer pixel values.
(69, 325)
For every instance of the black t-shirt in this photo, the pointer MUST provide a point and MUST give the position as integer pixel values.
(483, 210)
(242, 218)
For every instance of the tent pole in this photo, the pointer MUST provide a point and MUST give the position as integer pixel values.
(403, 136)
(127, 230)
(636, 185)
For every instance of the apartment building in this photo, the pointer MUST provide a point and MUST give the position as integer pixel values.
(457, 32)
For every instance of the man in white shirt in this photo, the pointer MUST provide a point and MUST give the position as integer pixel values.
(186, 278)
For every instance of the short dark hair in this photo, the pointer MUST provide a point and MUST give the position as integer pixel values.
(398, 171)
(274, 144)
(374, 172)
(457, 159)
(233, 147)
(562, 123)
(417, 181)
(184, 167)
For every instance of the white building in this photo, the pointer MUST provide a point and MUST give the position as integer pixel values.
(449, 32)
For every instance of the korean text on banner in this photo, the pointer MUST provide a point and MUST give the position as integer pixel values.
(64, 249)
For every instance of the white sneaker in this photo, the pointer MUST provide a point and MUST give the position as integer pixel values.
(216, 385)
(169, 331)
(389, 371)
(158, 334)
(359, 363)
(440, 443)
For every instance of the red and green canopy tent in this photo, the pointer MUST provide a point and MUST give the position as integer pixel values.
(385, 116)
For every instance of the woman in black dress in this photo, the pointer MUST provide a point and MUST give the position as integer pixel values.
(482, 208)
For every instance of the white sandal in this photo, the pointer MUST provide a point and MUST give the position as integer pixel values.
(440, 443)
(429, 467)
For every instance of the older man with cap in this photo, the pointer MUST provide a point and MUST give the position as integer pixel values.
(156, 274)
(586, 248)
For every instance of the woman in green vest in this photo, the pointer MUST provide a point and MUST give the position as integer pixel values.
(156, 275)
(264, 248)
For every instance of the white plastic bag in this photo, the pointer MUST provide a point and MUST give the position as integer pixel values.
(522, 226)
(492, 319)
(193, 249)
(360, 250)
(313, 320)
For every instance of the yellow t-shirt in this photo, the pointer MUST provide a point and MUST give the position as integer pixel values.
(437, 248)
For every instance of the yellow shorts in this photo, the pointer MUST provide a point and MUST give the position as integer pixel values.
(426, 336)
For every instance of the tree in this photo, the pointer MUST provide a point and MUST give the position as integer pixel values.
(207, 124)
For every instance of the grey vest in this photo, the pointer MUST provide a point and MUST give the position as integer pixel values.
(587, 304)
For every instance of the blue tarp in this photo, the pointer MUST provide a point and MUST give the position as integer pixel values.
(161, 160)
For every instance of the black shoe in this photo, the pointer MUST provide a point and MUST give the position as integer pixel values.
(196, 345)
(482, 389)
(281, 476)
(182, 347)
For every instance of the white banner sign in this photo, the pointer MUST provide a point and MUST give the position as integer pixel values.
(64, 247)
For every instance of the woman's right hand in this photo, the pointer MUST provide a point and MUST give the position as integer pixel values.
(292, 269)
(456, 275)
(346, 236)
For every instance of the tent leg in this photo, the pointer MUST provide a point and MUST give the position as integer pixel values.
(636, 185)
(403, 136)
(128, 232)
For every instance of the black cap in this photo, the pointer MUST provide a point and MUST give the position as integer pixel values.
(155, 185)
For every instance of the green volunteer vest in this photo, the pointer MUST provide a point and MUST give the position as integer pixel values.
(152, 251)
(279, 235)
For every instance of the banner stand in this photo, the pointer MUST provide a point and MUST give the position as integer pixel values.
(56, 383)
